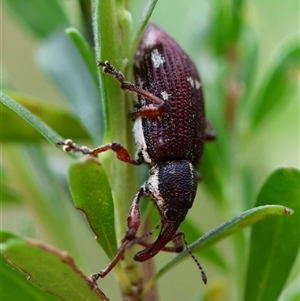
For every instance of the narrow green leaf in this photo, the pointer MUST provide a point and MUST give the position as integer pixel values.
(52, 270)
(85, 52)
(6, 235)
(59, 119)
(39, 125)
(59, 57)
(92, 195)
(225, 25)
(38, 15)
(9, 195)
(274, 243)
(245, 219)
(42, 194)
(147, 12)
(108, 47)
(211, 254)
(279, 83)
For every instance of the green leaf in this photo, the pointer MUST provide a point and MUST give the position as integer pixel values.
(60, 58)
(42, 17)
(225, 25)
(85, 51)
(9, 195)
(245, 219)
(192, 232)
(59, 119)
(107, 47)
(39, 125)
(279, 83)
(147, 12)
(274, 243)
(92, 194)
(52, 270)
(15, 286)
(42, 194)
(6, 235)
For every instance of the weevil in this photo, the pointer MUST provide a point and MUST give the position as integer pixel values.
(169, 129)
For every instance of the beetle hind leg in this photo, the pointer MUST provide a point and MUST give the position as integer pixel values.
(210, 132)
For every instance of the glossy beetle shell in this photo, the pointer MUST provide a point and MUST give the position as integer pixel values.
(165, 70)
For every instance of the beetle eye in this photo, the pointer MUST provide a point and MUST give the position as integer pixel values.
(171, 214)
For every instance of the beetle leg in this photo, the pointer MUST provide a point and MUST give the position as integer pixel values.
(149, 111)
(121, 152)
(113, 263)
(133, 222)
(210, 134)
(199, 176)
(154, 111)
(177, 243)
(178, 239)
(134, 217)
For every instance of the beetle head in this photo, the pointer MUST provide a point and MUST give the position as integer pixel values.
(172, 186)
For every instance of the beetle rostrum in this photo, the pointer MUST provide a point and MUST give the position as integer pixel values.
(170, 129)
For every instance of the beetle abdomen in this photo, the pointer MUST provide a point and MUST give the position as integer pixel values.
(164, 69)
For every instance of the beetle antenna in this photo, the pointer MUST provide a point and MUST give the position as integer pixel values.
(141, 238)
(152, 231)
(203, 275)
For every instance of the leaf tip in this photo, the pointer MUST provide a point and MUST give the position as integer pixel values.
(288, 211)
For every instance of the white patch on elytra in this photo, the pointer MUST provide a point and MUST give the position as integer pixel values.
(140, 82)
(197, 84)
(151, 38)
(157, 58)
(193, 82)
(139, 138)
(165, 95)
(190, 80)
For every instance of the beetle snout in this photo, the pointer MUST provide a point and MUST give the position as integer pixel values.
(167, 234)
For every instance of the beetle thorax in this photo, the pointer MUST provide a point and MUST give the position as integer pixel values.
(172, 185)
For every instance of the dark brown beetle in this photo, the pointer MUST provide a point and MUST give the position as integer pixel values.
(169, 130)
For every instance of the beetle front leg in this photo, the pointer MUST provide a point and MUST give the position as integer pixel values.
(121, 152)
(133, 222)
(134, 217)
(113, 263)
